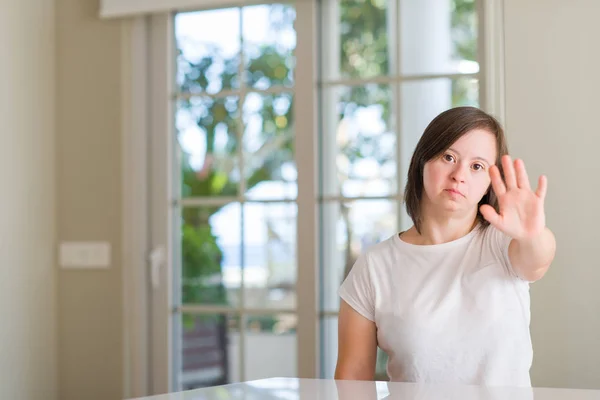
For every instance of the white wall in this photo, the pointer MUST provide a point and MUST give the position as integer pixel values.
(88, 184)
(27, 277)
(553, 101)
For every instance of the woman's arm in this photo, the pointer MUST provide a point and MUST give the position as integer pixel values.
(357, 345)
(532, 257)
(523, 218)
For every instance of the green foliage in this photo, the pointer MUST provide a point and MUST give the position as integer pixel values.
(464, 29)
(266, 65)
(201, 260)
(364, 39)
(363, 53)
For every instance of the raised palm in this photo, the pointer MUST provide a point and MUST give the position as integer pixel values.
(521, 213)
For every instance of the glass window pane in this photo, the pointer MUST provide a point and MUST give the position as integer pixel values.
(348, 230)
(209, 350)
(208, 50)
(359, 147)
(207, 134)
(269, 44)
(329, 346)
(268, 142)
(438, 36)
(465, 92)
(363, 38)
(270, 347)
(270, 255)
(211, 255)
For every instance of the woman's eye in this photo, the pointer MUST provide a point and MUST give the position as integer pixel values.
(478, 167)
(448, 157)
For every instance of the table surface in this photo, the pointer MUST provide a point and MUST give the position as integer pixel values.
(329, 389)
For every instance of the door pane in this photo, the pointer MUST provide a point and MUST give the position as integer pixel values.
(361, 31)
(209, 346)
(329, 346)
(207, 135)
(269, 43)
(359, 143)
(233, 135)
(208, 50)
(438, 36)
(271, 346)
(348, 230)
(268, 142)
(269, 255)
(211, 255)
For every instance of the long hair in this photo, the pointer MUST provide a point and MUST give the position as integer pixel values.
(440, 134)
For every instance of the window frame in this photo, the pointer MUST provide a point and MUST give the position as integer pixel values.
(147, 71)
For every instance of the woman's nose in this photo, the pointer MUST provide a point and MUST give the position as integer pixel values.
(459, 174)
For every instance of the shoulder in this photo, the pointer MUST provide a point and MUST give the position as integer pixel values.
(497, 244)
(494, 243)
(494, 237)
(382, 251)
(376, 257)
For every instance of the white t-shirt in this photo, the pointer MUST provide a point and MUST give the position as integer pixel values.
(449, 313)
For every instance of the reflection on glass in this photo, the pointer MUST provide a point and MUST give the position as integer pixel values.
(207, 134)
(269, 43)
(270, 348)
(211, 255)
(364, 390)
(359, 150)
(209, 346)
(402, 391)
(363, 38)
(268, 143)
(208, 50)
(270, 255)
(348, 230)
(440, 39)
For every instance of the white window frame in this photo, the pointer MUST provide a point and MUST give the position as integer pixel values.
(146, 107)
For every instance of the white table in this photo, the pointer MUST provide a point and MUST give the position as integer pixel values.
(328, 389)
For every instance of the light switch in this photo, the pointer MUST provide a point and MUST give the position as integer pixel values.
(85, 255)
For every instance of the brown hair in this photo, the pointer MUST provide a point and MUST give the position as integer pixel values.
(440, 134)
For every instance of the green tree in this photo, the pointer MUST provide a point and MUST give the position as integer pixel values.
(266, 65)
(363, 53)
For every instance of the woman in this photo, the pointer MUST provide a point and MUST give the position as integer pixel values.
(448, 299)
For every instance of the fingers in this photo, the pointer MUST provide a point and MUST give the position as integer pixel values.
(518, 175)
(490, 214)
(509, 172)
(522, 178)
(497, 183)
(542, 187)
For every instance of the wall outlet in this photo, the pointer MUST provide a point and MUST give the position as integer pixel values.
(85, 255)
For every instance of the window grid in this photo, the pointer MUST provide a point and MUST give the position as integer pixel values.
(394, 80)
(180, 203)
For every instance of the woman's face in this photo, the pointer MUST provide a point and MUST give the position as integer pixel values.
(458, 179)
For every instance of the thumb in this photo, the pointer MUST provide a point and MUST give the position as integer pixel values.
(490, 215)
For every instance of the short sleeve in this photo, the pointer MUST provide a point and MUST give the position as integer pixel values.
(500, 242)
(357, 289)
